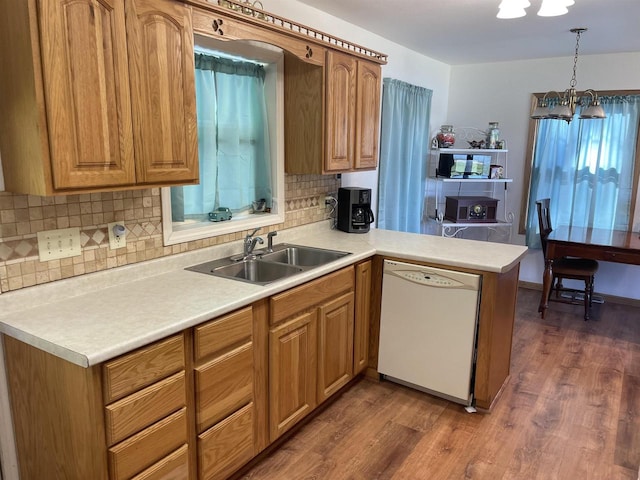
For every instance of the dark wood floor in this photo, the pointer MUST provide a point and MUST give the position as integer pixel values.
(571, 410)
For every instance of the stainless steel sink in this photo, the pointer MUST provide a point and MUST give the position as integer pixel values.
(256, 271)
(303, 256)
(285, 260)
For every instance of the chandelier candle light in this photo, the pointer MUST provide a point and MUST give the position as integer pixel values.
(566, 107)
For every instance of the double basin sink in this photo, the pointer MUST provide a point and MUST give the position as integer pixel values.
(284, 261)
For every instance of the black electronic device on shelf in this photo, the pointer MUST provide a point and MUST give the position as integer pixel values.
(463, 165)
(471, 209)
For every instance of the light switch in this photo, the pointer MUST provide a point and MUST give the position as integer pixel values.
(61, 243)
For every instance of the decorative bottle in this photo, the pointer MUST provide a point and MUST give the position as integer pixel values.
(493, 135)
(446, 137)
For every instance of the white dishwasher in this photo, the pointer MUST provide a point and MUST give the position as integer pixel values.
(428, 328)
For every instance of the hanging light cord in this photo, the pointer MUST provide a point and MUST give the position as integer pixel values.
(573, 81)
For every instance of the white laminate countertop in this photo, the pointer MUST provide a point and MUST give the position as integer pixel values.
(95, 317)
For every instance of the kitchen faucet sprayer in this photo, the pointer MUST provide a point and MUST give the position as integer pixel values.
(270, 236)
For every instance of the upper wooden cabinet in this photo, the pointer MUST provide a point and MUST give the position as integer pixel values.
(72, 74)
(367, 115)
(86, 93)
(331, 117)
(340, 111)
(162, 71)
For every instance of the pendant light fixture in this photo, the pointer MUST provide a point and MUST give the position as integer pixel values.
(512, 8)
(566, 107)
(554, 8)
(549, 8)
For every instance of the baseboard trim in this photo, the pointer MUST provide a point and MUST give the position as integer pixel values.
(607, 298)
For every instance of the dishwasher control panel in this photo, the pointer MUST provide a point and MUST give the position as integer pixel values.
(427, 278)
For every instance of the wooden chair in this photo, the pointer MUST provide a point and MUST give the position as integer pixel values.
(572, 268)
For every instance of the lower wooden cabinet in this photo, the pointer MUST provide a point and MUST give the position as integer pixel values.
(145, 413)
(362, 317)
(310, 347)
(196, 405)
(335, 345)
(226, 379)
(124, 419)
(292, 372)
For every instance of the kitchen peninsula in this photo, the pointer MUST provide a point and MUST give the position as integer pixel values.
(104, 343)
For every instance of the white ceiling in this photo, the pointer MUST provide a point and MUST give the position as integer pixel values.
(467, 31)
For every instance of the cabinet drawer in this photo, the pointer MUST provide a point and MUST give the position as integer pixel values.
(227, 446)
(141, 409)
(223, 333)
(143, 367)
(297, 299)
(224, 385)
(174, 466)
(620, 256)
(144, 449)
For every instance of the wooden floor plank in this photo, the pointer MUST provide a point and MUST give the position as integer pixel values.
(570, 410)
(627, 452)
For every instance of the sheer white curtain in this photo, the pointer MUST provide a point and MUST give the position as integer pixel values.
(586, 168)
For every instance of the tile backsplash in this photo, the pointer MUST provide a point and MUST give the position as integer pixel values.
(23, 216)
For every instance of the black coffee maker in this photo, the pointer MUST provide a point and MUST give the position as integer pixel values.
(354, 209)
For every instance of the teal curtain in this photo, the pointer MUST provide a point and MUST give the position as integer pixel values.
(404, 146)
(586, 168)
(233, 139)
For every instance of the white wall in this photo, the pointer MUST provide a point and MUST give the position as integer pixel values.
(404, 64)
(502, 92)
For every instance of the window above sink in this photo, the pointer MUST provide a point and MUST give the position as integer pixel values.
(185, 210)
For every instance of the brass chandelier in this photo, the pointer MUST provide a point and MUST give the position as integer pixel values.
(566, 107)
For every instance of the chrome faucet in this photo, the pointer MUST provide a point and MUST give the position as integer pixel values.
(270, 236)
(250, 243)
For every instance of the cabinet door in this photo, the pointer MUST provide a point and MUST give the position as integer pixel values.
(368, 115)
(340, 111)
(162, 71)
(335, 345)
(86, 89)
(361, 317)
(292, 372)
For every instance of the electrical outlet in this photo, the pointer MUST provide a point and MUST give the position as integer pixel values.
(62, 243)
(330, 200)
(117, 235)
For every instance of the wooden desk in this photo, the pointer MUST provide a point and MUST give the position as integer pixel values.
(599, 244)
